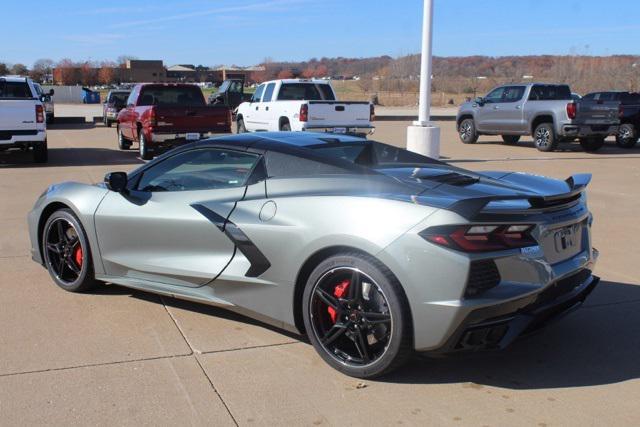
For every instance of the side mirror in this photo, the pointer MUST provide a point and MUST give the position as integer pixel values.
(479, 100)
(116, 181)
(51, 92)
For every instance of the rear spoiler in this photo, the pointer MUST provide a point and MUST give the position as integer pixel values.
(469, 208)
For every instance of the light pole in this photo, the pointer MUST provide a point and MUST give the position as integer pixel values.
(423, 137)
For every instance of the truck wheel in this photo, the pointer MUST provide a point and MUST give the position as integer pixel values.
(286, 127)
(544, 137)
(240, 127)
(510, 139)
(145, 154)
(592, 144)
(108, 123)
(40, 153)
(123, 144)
(627, 136)
(467, 131)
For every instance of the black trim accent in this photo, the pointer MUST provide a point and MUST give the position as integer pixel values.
(7, 134)
(259, 263)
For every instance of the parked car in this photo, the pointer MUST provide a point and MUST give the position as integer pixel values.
(629, 131)
(47, 101)
(22, 117)
(115, 101)
(546, 111)
(373, 251)
(159, 116)
(303, 105)
(230, 93)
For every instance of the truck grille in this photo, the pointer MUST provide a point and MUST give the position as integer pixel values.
(483, 275)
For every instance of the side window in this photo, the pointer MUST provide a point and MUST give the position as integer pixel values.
(536, 93)
(199, 169)
(495, 95)
(257, 96)
(268, 93)
(513, 94)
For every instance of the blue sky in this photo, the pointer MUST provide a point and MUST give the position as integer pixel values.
(244, 32)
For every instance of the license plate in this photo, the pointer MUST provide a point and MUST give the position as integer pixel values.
(339, 130)
(192, 136)
(567, 239)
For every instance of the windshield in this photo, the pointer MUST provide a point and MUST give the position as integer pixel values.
(119, 98)
(171, 96)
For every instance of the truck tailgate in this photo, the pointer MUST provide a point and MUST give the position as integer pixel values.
(17, 114)
(597, 112)
(341, 114)
(210, 118)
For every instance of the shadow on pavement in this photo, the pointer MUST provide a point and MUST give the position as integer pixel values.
(609, 147)
(72, 157)
(597, 344)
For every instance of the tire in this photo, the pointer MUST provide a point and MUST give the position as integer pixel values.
(544, 137)
(627, 136)
(41, 152)
(285, 127)
(467, 131)
(379, 324)
(123, 143)
(108, 123)
(592, 144)
(51, 119)
(145, 153)
(510, 139)
(68, 259)
(240, 127)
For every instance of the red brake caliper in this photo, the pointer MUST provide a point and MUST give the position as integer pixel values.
(77, 255)
(339, 291)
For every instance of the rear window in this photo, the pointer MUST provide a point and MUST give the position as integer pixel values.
(299, 92)
(630, 98)
(119, 98)
(550, 93)
(171, 96)
(15, 90)
(327, 92)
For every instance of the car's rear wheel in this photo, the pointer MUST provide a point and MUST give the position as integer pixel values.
(544, 137)
(41, 152)
(123, 143)
(627, 136)
(145, 153)
(240, 127)
(286, 127)
(356, 316)
(592, 144)
(510, 139)
(467, 131)
(66, 252)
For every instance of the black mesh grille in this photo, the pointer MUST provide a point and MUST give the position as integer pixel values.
(483, 275)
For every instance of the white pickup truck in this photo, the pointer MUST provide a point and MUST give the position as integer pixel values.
(22, 117)
(303, 105)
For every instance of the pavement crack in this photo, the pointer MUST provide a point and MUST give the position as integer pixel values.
(251, 347)
(175, 322)
(213, 387)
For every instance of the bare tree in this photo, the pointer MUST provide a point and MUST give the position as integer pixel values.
(41, 68)
(19, 69)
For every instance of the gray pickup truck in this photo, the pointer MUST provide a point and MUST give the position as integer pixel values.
(545, 111)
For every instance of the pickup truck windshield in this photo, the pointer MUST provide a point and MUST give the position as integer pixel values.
(15, 90)
(305, 92)
(171, 96)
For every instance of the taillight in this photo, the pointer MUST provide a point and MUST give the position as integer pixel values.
(153, 120)
(372, 112)
(481, 238)
(39, 114)
(304, 113)
(571, 110)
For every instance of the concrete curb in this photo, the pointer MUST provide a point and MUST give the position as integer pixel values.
(386, 118)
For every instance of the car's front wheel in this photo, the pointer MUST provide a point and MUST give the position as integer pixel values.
(66, 252)
(356, 315)
(240, 127)
(467, 131)
(145, 152)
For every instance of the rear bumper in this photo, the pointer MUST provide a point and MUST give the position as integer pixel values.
(589, 130)
(22, 138)
(496, 327)
(349, 130)
(181, 137)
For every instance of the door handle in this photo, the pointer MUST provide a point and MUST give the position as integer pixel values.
(266, 108)
(518, 107)
(257, 108)
(495, 107)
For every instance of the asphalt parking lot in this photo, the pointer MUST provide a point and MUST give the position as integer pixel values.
(120, 357)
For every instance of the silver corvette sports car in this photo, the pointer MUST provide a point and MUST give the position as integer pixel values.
(373, 251)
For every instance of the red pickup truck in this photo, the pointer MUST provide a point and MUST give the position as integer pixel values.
(160, 116)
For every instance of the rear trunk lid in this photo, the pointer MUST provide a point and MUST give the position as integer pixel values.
(339, 114)
(201, 119)
(592, 112)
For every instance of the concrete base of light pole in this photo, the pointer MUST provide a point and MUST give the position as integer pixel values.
(424, 138)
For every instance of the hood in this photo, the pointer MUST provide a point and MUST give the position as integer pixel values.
(448, 187)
